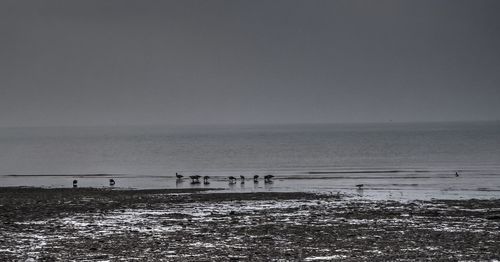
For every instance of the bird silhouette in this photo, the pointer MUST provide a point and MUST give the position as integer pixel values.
(267, 178)
(195, 179)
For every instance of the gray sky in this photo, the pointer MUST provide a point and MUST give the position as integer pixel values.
(228, 62)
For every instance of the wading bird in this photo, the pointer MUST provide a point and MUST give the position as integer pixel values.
(75, 183)
(267, 178)
(195, 179)
(178, 176)
(111, 182)
(256, 179)
(205, 180)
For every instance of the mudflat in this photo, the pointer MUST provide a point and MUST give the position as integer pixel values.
(200, 225)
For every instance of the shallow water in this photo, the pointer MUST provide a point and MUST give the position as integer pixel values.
(392, 161)
(380, 187)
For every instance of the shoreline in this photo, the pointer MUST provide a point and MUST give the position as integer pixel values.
(387, 183)
(199, 225)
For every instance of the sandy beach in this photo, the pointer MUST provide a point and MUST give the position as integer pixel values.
(199, 225)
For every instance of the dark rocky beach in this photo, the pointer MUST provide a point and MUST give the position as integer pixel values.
(200, 225)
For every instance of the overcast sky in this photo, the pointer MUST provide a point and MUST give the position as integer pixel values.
(229, 62)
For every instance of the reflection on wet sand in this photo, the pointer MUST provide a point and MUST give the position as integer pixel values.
(182, 225)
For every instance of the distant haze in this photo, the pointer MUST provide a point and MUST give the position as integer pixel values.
(246, 62)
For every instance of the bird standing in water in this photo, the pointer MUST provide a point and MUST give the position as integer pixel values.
(195, 179)
(205, 180)
(256, 179)
(267, 178)
(242, 179)
(75, 183)
(178, 176)
(111, 182)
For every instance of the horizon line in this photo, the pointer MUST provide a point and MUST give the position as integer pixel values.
(249, 124)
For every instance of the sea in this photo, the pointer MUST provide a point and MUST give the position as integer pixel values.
(390, 160)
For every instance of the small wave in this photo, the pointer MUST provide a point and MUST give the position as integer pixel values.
(486, 189)
(65, 175)
(367, 172)
(358, 177)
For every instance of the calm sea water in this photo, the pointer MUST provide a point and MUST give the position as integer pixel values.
(296, 154)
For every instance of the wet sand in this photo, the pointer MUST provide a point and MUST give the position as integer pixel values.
(199, 225)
